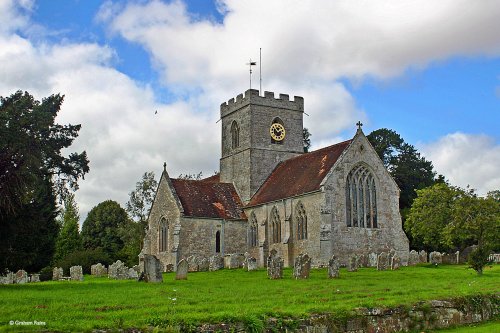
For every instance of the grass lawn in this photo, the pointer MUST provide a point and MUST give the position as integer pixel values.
(229, 295)
(488, 327)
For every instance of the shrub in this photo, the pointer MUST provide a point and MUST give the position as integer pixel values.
(478, 258)
(46, 274)
(84, 258)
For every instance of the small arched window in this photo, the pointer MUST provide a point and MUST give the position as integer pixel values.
(277, 120)
(301, 221)
(361, 198)
(217, 242)
(235, 135)
(252, 234)
(275, 226)
(163, 235)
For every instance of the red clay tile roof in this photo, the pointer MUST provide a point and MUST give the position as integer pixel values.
(201, 198)
(299, 175)
(213, 179)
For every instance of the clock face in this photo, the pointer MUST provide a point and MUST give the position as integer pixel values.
(277, 132)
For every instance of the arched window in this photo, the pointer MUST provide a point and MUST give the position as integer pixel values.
(301, 221)
(277, 120)
(252, 235)
(163, 235)
(275, 226)
(235, 135)
(361, 198)
(217, 242)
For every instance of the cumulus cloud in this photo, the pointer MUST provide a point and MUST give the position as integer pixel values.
(466, 159)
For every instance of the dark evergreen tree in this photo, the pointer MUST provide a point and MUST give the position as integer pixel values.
(306, 139)
(68, 240)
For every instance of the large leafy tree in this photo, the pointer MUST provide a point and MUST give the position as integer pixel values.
(306, 139)
(409, 169)
(68, 240)
(142, 197)
(33, 173)
(100, 228)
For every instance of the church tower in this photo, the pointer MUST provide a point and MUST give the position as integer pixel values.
(258, 133)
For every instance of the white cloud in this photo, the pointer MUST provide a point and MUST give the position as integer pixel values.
(466, 159)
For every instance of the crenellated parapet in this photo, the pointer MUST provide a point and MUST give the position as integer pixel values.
(252, 96)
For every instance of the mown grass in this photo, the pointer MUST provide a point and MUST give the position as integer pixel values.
(229, 295)
(488, 327)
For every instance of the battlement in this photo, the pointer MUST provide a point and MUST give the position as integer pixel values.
(252, 96)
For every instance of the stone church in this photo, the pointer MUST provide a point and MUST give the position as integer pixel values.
(269, 194)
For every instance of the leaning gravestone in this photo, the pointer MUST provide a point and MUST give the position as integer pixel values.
(302, 266)
(57, 273)
(395, 262)
(251, 264)
(76, 273)
(413, 259)
(21, 277)
(98, 270)
(274, 266)
(216, 262)
(352, 263)
(383, 261)
(182, 270)
(435, 258)
(372, 259)
(333, 267)
(118, 271)
(152, 269)
(423, 256)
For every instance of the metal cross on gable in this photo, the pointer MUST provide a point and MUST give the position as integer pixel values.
(359, 124)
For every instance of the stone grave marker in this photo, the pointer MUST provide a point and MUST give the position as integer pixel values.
(182, 270)
(383, 261)
(152, 269)
(435, 258)
(216, 263)
(76, 273)
(274, 266)
(251, 264)
(333, 268)
(395, 262)
(413, 259)
(21, 277)
(352, 263)
(302, 266)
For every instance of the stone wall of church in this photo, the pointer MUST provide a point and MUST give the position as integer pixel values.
(290, 246)
(358, 240)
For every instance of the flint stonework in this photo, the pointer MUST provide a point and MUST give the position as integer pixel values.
(182, 270)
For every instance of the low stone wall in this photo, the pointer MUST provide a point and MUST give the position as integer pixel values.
(421, 316)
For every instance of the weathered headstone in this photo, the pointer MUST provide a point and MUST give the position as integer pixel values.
(302, 266)
(182, 270)
(234, 260)
(21, 277)
(251, 264)
(413, 259)
(216, 263)
(274, 266)
(395, 262)
(245, 260)
(35, 278)
(7, 279)
(118, 271)
(152, 269)
(362, 260)
(372, 259)
(435, 258)
(383, 261)
(132, 274)
(192, 262)
(333, 267)
(57, 273)
(98, 270)
(352, 263)
(76, 273)
(203, 265)
(448, 258)
(422, 256)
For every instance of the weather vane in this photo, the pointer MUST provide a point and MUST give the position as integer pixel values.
(250, 64)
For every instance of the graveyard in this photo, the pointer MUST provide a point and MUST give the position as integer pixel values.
(238, 298)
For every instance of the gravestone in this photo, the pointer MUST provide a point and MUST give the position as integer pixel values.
(395, 262)
(57, 273)
(132, 274)
(182, 270)
(464, 255)
(192, 262)
(98, 270)
(333, 268)
(152, 269)
(423, 256)
(203, 265)
(413, 259)
(21, 277)
(352, 263)
(216, 262)
(448, 258)
(232, 261)
(7, 279)
(76, 273)
(363, 261)
(118, 271)
(274, 266)
(245, 260)
(302, 266)
(251, 264)
(372, 259)
(383, 261)
(435, 258)
(35, 278)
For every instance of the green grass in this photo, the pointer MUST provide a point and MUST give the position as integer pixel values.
(488, 327)
(229, 295)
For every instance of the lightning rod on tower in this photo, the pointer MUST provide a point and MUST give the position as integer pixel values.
(250, 64)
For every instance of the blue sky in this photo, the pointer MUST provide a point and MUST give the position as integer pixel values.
(430, 71)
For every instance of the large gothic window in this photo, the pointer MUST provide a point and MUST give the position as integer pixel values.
(275, 226)
(301, 221)
(163, 235)
(235, 135)
(361, 198)
(252, 234)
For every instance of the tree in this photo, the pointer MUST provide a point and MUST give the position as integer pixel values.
(409, 169)
(68, 240)
(306, 139)
(191, 176)
(30, 149)
(142, 198)
(100, 228)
